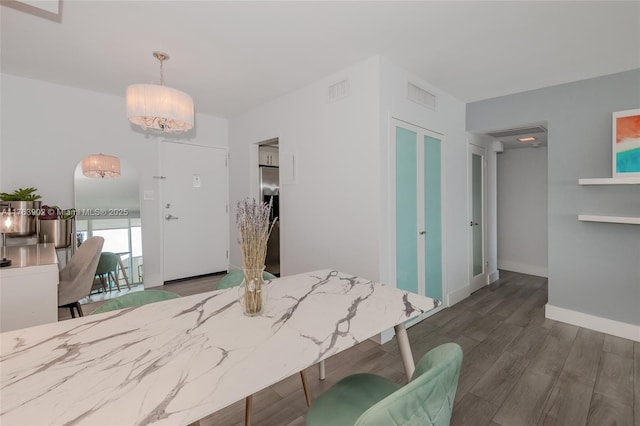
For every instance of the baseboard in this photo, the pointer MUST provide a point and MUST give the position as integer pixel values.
(494, 276)
(458, 295)
(592, 322)
(523, 268)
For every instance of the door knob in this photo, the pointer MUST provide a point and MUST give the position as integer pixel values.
(171, 217)
(423, 232)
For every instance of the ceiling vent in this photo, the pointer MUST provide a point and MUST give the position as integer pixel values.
(518, 132)
(338, 91)
(421, 96)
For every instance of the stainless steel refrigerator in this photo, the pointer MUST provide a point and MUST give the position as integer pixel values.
(270, 189)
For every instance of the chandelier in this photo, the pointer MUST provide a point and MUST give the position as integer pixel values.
(100, 166)
(159, 107)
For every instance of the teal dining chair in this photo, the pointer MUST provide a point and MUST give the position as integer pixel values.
(234, 279)
(107, 270)
(368, 399)
(137, 298)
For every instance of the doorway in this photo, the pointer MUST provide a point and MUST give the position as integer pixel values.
(477, 218)
(194, 210)
(269, 186)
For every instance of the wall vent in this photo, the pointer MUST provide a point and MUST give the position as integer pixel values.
(338, 91)
(518, 132)
(421, 96)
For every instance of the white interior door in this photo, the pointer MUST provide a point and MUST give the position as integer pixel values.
(194, 210)
(477, 218)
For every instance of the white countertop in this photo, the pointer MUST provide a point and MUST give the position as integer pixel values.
(30, 255)
(177, 361)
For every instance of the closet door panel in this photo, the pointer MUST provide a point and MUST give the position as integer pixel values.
(433, 216)
(406, 210)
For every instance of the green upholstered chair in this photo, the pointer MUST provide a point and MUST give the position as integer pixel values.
(108, 269)
(367, 399)
(234, 279)
(137, 298)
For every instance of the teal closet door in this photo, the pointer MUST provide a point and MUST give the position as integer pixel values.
(406, 210)
(433, 217)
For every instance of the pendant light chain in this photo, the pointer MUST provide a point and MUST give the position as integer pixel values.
(161, 58)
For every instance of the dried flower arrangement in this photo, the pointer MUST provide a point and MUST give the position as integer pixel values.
(252, 219)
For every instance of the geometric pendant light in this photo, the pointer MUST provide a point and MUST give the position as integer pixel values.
(159, 107)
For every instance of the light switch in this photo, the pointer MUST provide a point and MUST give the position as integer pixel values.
(197, 181)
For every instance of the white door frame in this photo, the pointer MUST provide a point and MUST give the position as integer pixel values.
(478, 281)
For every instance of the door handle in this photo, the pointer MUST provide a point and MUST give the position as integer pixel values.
(472, 223)
(171, 217)
(423, 232)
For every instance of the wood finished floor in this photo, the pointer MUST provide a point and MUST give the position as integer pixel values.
(519, 368)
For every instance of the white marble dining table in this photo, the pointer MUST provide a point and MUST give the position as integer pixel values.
(177, 361)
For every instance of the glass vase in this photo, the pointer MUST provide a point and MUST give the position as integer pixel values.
(252, 291)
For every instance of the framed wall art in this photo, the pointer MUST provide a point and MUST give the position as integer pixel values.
(626, 143)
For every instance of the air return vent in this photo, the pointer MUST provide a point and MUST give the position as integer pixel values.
(518, 132)
(338, 91)
(421, 96)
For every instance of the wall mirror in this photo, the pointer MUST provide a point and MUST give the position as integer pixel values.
(110, 208)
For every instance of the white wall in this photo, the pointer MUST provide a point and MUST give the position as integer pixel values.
(522, 210)
(47, 129)
(330, 213)
(449, 120)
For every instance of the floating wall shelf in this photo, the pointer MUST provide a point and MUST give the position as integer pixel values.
(632, 220)
(610, 181)
(609, 219)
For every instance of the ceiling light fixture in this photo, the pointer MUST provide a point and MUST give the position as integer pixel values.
(527, 139)
(100, 166)
(159, 107)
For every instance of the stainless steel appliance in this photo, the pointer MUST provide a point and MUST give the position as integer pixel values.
(270, 189)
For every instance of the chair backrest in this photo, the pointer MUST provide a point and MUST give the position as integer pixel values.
(137, 298)
(234, 279)
(76, 278)
(108, 263)
(428, 398)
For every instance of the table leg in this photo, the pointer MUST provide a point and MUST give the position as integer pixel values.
(124, 273)
(321, 370)
(307, 397)
(405, 349)
(248, 402)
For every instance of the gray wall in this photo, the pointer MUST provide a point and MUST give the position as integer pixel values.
(522, 210)
(594, 268)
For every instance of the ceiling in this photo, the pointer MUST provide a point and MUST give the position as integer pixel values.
(510, 138)
(232, 56)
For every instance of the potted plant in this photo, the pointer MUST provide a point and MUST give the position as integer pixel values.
(20, 194)
(24, 205)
